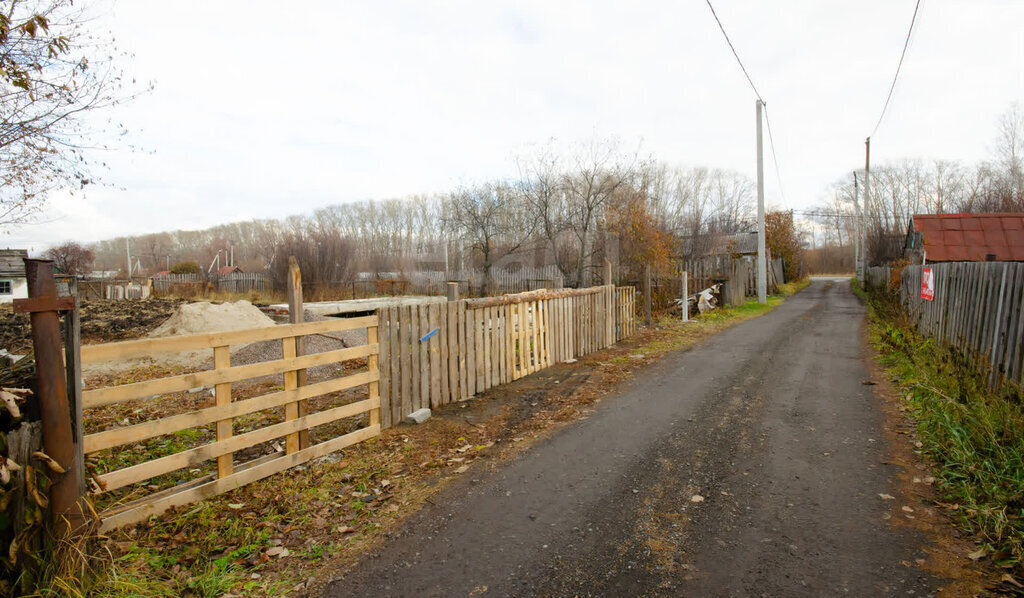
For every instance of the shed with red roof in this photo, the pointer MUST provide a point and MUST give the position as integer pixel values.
(995, 237)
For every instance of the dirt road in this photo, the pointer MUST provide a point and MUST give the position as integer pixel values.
(750, 465)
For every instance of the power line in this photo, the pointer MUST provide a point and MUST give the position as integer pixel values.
(775, 159)
(892, 88)
(768, 122)
(731, 47)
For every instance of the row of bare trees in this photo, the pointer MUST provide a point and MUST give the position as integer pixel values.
(571, 209)
(906, 187)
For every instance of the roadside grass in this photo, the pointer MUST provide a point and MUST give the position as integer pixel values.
(286, 534)
(972, 435)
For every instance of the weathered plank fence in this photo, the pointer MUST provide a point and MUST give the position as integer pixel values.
(293, 398)
(442, 353)
(978, 308)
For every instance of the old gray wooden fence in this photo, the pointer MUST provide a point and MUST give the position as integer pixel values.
(978, 308)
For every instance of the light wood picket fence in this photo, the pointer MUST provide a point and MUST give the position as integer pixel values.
(437, 354)
(298, 421)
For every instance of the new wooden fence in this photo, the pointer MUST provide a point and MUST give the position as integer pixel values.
(442, 353)
(293, 399)
(978, 308)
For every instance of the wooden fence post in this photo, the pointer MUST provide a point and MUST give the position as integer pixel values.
(453, 291)
(296, 315)
(647, 295)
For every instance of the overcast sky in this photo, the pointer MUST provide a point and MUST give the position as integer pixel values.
(263, 110)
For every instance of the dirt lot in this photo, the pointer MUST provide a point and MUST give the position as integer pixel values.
(102, 321)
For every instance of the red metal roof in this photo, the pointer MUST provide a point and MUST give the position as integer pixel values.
(972, 237)
(228, 270)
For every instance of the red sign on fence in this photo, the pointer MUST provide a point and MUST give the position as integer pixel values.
(927, 284)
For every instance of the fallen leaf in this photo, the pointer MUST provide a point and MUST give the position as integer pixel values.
(908, 509)
(928, 480)
(1009, 579)
(236, 505)
(977, 554)
(278, 551)
(344, 529)
(462, 469)
(696, 498)
(53, 465)
(464, 448)
(884, 496)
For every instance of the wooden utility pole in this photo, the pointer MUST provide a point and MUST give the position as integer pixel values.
(607, 271)
(762, 264)
(647, 294)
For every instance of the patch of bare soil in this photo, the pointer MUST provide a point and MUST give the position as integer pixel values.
(102, 321)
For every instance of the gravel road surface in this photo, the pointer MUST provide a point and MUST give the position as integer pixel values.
(748, 465)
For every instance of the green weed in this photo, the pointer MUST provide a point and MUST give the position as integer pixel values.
(973, 435)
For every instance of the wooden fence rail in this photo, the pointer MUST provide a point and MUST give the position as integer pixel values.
(978, 308)
(226, 409)
(436, 354)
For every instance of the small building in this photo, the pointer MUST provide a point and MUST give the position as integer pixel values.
(225, 270)
(994, 237)
(13, 284)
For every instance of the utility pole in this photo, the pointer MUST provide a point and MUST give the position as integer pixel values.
(867, 203)
(856, 233)
(128, 257)
(762, 273)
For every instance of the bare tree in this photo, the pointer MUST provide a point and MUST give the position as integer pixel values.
(51, 73)
(70, 258)
(486, 220)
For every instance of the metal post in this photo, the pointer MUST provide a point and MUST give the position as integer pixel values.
(762, 274)
(686, 294)
(52, 391)
(647, 294)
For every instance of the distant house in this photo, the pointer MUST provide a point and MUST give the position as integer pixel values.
(13, 284)
(996, 237)
(229, 270)
(720, 244)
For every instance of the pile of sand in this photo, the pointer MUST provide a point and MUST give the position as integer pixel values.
(193, 318)
(203, 317)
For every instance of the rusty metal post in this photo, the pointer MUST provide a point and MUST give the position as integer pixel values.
(52, 391)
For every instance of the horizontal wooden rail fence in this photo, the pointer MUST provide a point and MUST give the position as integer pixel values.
(229, 475)
(978, 308)
(437, 354)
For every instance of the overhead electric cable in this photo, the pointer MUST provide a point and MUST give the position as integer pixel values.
(771, 138)
(903, 55)
(731, 47)
(775, 159)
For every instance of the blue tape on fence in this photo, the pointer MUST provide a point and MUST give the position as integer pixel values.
(428, 335)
